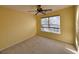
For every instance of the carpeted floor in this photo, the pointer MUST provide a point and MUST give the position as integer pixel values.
(40, 45)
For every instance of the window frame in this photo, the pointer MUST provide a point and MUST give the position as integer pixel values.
(49, 25)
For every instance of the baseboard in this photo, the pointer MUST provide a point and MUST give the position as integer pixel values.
(16, 43)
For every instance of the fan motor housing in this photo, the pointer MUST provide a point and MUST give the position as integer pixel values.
(39, 10)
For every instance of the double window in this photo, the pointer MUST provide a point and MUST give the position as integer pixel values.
(51, 24)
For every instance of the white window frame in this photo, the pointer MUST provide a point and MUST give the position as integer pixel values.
(54, 29)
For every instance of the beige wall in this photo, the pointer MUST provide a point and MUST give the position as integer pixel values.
(15, 27)
(67, 25)
(78, 22)
(77, 27)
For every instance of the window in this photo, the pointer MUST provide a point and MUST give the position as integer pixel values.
(51, 24)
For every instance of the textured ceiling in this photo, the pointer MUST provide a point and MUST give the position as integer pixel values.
(26, 8)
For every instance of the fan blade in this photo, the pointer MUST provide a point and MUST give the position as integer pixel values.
(40, 12)
(32, 11)
(36, 13)
(43, 13)
(47, 10)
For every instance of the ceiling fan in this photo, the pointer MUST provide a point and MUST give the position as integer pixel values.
(39, 9)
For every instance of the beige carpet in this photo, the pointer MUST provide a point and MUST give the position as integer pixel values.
(40, 45)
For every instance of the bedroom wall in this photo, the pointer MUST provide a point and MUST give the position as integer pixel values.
(77, 27)
(67, 25)
(78, 23)
(15, 27)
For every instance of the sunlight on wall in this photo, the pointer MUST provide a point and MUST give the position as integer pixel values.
(73, 51)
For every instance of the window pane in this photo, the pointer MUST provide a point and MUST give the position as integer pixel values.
(55, 26)
(56, 30)
(44, 25)
(54, 20)
(51, 29)
(44, 21)
(45, 29)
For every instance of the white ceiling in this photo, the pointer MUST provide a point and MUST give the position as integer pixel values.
(26, 8)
